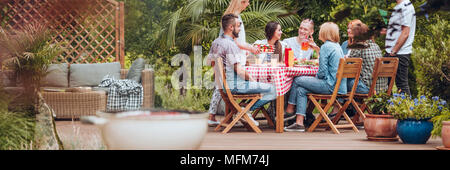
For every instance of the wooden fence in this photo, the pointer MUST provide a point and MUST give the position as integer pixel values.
(92, 35)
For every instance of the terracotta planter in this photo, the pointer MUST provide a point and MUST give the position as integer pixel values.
(381, 127)
(446, 134)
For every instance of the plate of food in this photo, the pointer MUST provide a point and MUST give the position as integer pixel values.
(300, 65)
(259, 65)
(304, 62)
(267, 65)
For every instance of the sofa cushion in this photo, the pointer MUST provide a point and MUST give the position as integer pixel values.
(57, 76)
(135, 71)
(92, 74)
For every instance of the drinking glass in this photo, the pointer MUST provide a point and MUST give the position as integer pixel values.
(274, 60)
(305, 45)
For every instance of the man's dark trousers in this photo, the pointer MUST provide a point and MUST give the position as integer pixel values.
(401, 80)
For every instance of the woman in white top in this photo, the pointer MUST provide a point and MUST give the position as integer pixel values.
(235, 7)
(305, 32)
(273, 34)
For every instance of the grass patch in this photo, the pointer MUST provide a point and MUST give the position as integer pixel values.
(16, 131)
(193, 100)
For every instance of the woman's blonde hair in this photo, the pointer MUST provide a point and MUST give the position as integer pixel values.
(234, 7)
(329, 31)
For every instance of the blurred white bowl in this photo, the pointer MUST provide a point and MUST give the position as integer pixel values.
(151, 130)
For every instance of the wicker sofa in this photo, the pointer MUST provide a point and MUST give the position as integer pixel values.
(72, 105)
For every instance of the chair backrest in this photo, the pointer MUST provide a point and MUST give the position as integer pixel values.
(384, 67)
(221, 70)
(348, 68)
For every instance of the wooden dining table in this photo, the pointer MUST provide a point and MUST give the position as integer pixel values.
(282, 77)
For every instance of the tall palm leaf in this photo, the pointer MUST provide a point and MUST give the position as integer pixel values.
(198, 21)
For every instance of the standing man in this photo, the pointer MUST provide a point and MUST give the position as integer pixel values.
(399, 40)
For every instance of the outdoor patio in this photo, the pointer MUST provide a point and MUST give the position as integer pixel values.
(75, 135)
(64, 60)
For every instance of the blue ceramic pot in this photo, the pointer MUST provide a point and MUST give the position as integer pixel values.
(412, 131)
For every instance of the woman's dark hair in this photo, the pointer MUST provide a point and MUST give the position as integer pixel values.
(270, 29)
(361, 32)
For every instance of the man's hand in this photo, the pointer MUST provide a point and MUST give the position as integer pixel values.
(313, 44)
(401, 40)
(255, 50)
(383, 31)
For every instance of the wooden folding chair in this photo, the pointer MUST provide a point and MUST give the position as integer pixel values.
(229, 109)
(384, 67)
(348, 68)
(232, 107)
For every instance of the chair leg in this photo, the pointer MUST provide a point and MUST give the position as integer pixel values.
(256, 112)
(343, 113)
(322, 115)
(269, 120)
(225, 120)
(360, 109)
(350, 122)
(360, 112)
(241, 113)
(252, 125)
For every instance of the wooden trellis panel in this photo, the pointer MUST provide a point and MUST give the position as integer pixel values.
(91, 36)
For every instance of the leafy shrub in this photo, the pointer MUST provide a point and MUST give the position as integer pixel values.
(437, 122)
(378, 103)
(193, 100)
(432, 57)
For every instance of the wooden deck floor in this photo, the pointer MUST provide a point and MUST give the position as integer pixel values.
(81, 137)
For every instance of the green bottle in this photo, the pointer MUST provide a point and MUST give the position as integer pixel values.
(314, 56)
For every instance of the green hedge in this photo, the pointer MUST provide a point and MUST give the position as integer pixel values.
(431, 56)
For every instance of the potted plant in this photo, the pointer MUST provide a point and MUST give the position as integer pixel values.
(380, 125)
(441, 127)
(414, 125)
(28, 52)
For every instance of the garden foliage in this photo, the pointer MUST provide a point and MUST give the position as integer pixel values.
(158, 30)
(432, 56)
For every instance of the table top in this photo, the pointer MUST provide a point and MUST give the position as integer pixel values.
(282, 77)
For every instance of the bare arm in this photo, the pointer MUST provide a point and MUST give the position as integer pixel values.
(313, 45)
(248, 47)
(241, 72)
(401, 40)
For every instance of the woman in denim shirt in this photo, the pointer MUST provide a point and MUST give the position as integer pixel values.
(325, 80)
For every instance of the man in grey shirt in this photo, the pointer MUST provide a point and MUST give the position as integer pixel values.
(237, 77)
